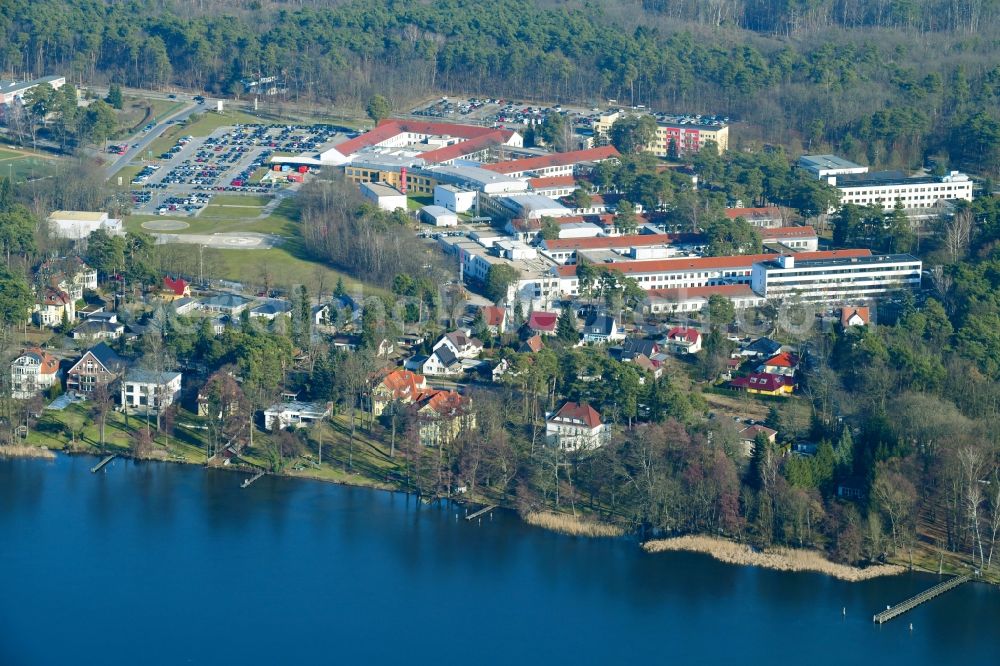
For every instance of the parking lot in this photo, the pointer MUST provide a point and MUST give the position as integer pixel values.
(231, 159)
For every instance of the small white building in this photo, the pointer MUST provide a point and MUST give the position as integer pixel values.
(385, 197)
(143, 389)
(78, 224)
(439, 216)
(32, 372)
(575, 427)
(454, 198)
(10, 91)
(295, 414)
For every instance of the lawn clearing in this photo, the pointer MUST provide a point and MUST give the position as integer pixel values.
(231, 212)
(241, 200)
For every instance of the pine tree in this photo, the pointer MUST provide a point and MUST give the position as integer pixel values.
(566, 327)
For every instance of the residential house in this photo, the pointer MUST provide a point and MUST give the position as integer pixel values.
(271, 308)
(542, 323)
(764, 383)
(683, 340)
(460, 344)
(495, 318)
(854, 317)
(175, 288)
(760, 348)
(443, 361)
(442, 416)
(601, 328)
(398, 386)
(69, 274)
(532, 345)
(575, 427)
(748, 437)
(54, 307)
(229, 304)
(783, 363)
(320, 314)
(145, 390)
(33, 371)
(643, 362)
(633, 347)
(98, 366)
(295, 414)
(100, 326)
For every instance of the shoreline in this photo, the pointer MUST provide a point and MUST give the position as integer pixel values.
(20, 451)
(777, 559)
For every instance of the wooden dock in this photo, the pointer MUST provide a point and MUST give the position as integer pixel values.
(247, 482)
(96, 468)
(481, 512)
(926, 595)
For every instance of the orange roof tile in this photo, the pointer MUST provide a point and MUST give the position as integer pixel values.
(555, 159)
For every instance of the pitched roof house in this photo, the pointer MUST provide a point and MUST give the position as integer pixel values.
(542, 322)
(174, 288)
(749, 434)
(442, 416)
(782, 363)
(33, 371)
(532, 345)
(54, 305)
(495, 318)
(683, 340)
(399, 385)
(764, 383)
(601, 328)
(574, 427)
(461, 344)
(854, 317)
(99, 365)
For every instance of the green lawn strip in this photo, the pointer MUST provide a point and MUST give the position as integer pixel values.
(241, 200)
(29, 168)
(127, 173)
(208, 121)
(213, 211)
(9, 154)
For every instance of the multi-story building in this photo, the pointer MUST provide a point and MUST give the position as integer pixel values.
(33, 371)
(555, 164)
(885, 188)
(835, 279)
(99, 366)
(678, 135)
(54, 307)
(10, 91)
(151, 391)
(575, 427)
(690, 272)
(822, 166)
(442, 416)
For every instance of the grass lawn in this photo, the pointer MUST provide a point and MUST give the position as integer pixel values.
(220, 219)
(230, 212)
(416, 203)
(28, 167)
(241, 200)
(209, 121)
(126, 173)
(8, 154)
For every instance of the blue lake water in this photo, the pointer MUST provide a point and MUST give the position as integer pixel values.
(153, 563)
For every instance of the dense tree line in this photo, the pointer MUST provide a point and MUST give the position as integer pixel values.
(784, 67)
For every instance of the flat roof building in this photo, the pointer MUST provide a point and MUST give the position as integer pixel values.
(821, 166)
(835, 279)
(14, 90)
(885, 188)
(385, 197)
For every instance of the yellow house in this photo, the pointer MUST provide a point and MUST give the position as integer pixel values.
(688, 134)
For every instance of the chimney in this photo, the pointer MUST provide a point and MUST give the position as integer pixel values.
(402, 180)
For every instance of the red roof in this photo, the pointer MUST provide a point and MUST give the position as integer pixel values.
(403, 383)
(474, 145)
(551, 181)
(543, 321)
(573, 412)
(555, 159)
(177, 286)
(846, 314)
(783, 360)
(750, 213)
(534, 343)
(608, 242)
(389, 128)
(55, 297)
(745, 261)
(787, 232)
(762, 381)
(684, 333)
(443, 403)
(494, 315)
(47, 363)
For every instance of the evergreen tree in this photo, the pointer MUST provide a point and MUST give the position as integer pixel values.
(115, 97)
(566, 327)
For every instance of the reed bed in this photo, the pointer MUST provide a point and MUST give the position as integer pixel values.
(780, 559)
(572, 525)
(18, 451)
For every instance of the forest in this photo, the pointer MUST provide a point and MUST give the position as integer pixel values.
(888, 82)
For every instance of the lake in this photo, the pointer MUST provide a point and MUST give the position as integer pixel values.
(152, 563)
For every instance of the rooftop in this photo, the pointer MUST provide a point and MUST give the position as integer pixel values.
(710, 263)
(555, 159)
(827, 162)
(807, 260)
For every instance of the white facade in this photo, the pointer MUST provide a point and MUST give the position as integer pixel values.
(10, 91)
(454, 198)
(439, 216)
(141, 389)
(294, 414)
(385, 197)
(913, 193)
(77, 224)
(32, 372)
(835, 280)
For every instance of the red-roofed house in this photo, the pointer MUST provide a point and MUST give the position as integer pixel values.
(556, 164)
(785, 363)
(54, 306)
(854, 317)
(764, 383)
(683, 340)
(400, 385)
(575, 427)
(495, 318)
(174, 288)
(442, 416)
(33, 371)
(532, 345)
(553, 186)
(543, 323)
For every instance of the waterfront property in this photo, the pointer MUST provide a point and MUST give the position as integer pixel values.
(99, 366)
(148, 390)
(35, 370)
(295, 414)
(575, 427)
